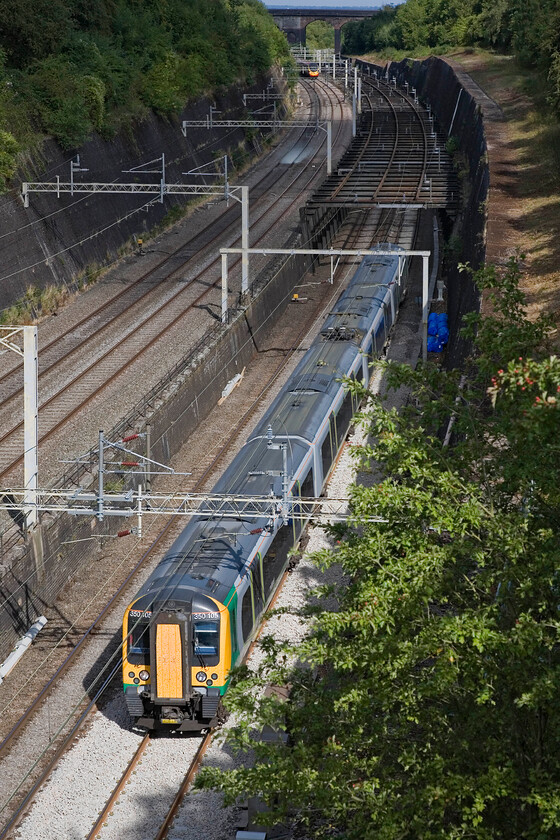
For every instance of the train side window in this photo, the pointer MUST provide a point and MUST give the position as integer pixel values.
(275, 559)
(328, 449)
(344, 416)
(247, 614)
(233, 627)
(307, 486)
(256, 580)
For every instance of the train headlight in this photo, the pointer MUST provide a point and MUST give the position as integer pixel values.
(131, 674)
(144, 675)
(201, 676)
(214, 676)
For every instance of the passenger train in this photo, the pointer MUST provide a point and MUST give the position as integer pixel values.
(310, 69)
(196, 615)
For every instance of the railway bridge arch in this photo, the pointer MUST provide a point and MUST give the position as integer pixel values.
(293, 21)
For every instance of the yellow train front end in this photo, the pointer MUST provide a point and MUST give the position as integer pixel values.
(176, 661)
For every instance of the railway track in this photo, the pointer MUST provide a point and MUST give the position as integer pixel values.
(368, 227)
(169, 267)
(399, 157)
(132, 790)
(84, 710)
(153, 322)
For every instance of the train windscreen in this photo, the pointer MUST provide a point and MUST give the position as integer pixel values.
(206, 641)
(138, 640)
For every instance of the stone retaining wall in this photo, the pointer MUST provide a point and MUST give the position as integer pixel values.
(461, 109)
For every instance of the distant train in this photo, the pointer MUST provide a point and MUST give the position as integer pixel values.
(310, 68)
(197, 613)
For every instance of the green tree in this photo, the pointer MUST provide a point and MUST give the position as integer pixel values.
(9, 150)
(373, 34)
(427, 705)
(73, 67)
(319, 35)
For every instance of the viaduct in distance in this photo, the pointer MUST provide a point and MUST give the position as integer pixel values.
(293, 21)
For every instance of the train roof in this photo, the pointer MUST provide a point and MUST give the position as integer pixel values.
(210, 553)
(351, 316)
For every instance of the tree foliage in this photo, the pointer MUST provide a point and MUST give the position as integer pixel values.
(528, 28)
(81, 66)
(427, 705)
(319, 35)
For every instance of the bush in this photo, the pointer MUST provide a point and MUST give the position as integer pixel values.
(72, 66)
(9, 149)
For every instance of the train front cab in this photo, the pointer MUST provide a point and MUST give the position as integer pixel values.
(176, 664)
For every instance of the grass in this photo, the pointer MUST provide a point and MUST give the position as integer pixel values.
(531, 134)
(530, 140)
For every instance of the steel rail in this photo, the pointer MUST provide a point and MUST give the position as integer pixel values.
(365, 143)
(394, 150)
(96, 830)
(48, 688)
(118, 348)
(415, 110)
(192, 242)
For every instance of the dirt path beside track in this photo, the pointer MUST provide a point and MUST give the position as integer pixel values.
(524, 155)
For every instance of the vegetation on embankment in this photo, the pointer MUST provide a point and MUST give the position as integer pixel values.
(68, 67)
(526, 155)
(526, 29)
(426, 706)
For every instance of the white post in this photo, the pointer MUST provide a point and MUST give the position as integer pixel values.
(360, 95)
(356, 82)
(139, 512)
(101, 477)
(162, 181)
(329, 147)
(224, 287)
(20, 647)
(345, 73)
(30, 424)
(353, 115)
(245, 239)
(334, 66)
(425, 308)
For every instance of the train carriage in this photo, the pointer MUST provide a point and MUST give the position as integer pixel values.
(197, 613)
(310, 69)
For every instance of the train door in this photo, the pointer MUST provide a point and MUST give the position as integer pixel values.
(252, 600)
(170, 671)
(235, 645)
(257, 587)
(304, 490)
(275, 560)
(329, 448)
(246, 614)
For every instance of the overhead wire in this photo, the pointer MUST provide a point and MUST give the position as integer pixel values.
(117, 652)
